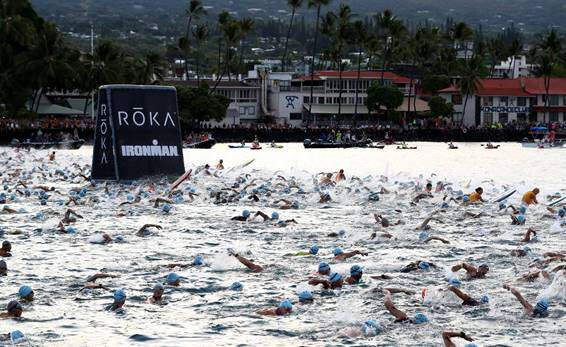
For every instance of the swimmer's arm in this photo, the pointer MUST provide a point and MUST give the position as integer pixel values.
(267, 312)
(100, 275)
(315, 282)
(471, 270)
(527, 236)
(447, 335)
(553, 254)
(395, 312)
(556, 269)
(347, 255)
(262, 215)
(459, 293)
(159, 200)
(528, 307)
(247, 263)
(432, 238)
(400, 290)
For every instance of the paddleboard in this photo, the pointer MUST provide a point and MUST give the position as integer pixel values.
(504, 195)
(180, 180)
(241, 166)
(554, 203)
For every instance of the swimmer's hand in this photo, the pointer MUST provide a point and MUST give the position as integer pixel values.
(465, 337)
(232, 252)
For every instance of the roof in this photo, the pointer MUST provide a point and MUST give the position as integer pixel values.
(211, 84)
(521, 87)
(52, 109)
(353, 74)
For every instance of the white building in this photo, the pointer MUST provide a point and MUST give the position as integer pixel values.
(513, 67)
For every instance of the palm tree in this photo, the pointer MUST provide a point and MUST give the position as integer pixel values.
(546, 54)
(470, 78)
(185, 48)
(462, 34)
(193, 11)
(200, 34)
(294, 4)
(358, 37)
(318, 5)
(246, 26)
(497, 51)
(515, 48)
(152, 68)
(223, 19)
(390, 31)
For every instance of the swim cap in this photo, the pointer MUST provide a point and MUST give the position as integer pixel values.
(286, 304)
(502, 206)
(158, 286)
(245, 213)
(119, 295)
(295, 204)
(542, 305)
(282, 223)
(420, 318)
(166, 208)
(305, 296)
(373, 197)
(323, 267)
(355, 270)
(286, 190)
(25, 291)
(484, 299)
(16, 336)
(313, 250)
(562, 213)
(444, 205)
(198, 260)
(274, 215)
(13, 305)
(254, 191)
(236, 286)
(342, 232)
(177, 199)
(335, 277)
(172, 278)
(371, 327)
(483, 266)
(423, 235)
(522, 209)
(423, 265)
(466, 198)
(526, 249)
(4, 266)
(337, 251)
(70, 230)
(521, 218)
(455, 282)
(470, 345)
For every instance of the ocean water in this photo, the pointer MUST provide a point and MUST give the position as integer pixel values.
(204, 312)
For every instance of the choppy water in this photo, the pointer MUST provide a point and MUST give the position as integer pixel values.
(202, 311)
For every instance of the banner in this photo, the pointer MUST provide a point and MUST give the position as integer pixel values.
(137, 133)
(506, 109)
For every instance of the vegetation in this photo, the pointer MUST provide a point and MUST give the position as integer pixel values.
(439, 107)
(388, 96)
(199, 105)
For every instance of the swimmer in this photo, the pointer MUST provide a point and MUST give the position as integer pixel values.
(284, 308)
(13, 310)
(144, 232)
(399, 315)
(466, 299)
(384, 221)
(530, 197)
(287, 205)
(220, 165)
(3, 268)
(305, 297)
(356, 274)
(173, 279)
(327, 180)
(324, 198)
(197, 261)
(521, 252)
(540, 310)
(158, 201)
(518, 220)
(436, 238)
(340, 176)
(91, 281)
(26, 293)
(51, 156)
(471, 270)
(532, 276)
(244, 217)
(476, 195)
(6, 249)
(246, 262)
(119, 300)
(70, 217)
(448, 335)
(274, 217)
(157, 295)
(418, 265)
(527, 237)
(324, 269)
(424, 225)
(334, 281)
(339, 254)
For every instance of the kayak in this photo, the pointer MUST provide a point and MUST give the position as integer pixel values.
(400, 147)
(361, 144)
(276, 147)
(206, 144)
(238, 146)
(255, 147)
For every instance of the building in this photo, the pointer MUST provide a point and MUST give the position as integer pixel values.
(503, 101)
(513, 67)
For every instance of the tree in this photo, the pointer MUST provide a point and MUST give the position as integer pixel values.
(388, 96)
(318, 5)
(470, 78)
(434, 83)
(439, 107)
(151, 68)
(193, 11)
(294, 4)
(246, 26)
(357, 37)
(201, 35)
(199, 105)
(391, 31)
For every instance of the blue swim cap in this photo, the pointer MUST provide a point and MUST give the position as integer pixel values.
(455, 282)
(502, 206)
(198, 260)
(286, 190)
(423, 265)
(158, 286)
(484, 299)
(337, 251)
(521, 218)
(166, 208)
(40, 216)
(236, 286)
(16, 336)
(561, 213)
(25, 291)
(470, 345)
(323, 267)
(335, 277)
(295, 204)
(423, 235)
(305, 296)
(466, 198)
(373, 197)
(420, 318)
(356, 270)
(254, 191)
(178, 199)
(172, 278)
(286, 304)
(119, 295)
(341, 232)
(70, 230)
(245, 213)
(444, 205)
(274, 215)
(522, 209)
(313, 250)
(282, 223)
(542, 305)
(371, 327)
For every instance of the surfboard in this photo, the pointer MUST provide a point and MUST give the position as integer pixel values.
(505, 195)
(239, 167)
(180, 180)
(554, 203)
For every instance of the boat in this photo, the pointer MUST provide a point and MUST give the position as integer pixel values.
(308, 144)
(406, 147)
(451, 146)
(490, 146)
(242, 145)
(376, 146)
(70, 144)
(256, 146)
(542, 138)
(206, 144)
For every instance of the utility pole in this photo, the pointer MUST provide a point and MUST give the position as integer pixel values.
(92, 62)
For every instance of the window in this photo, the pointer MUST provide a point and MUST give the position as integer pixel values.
(512, 101)
(488, 100)
(553, 100)
(306, 100)
(503, 118)
(553, 116)
(336, 101)
(242, 110)
(328, 100)
(251, 110)
(295, 116)
(521, 117)
(564, 101)
(321, 100)
(488, 118)
(521, 101)
(456, 99)
(534, 101)
(503, 101)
